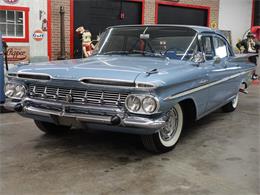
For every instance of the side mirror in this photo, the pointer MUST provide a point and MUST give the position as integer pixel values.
(198, 58)
(217, 60)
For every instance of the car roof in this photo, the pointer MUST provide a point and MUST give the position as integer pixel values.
(199, 29)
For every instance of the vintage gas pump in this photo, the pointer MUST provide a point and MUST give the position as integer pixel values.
(2, 79)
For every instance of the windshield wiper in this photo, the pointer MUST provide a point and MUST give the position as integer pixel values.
(146, 53)
(115, 52)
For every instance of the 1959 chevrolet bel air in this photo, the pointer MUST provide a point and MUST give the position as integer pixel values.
(149, 80)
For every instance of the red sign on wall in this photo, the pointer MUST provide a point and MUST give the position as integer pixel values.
(11, 1)
(17, 54)
(38, 35)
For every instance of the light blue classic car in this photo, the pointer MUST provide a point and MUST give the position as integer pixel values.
(149, 80)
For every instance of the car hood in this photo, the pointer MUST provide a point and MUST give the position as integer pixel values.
(123, 68)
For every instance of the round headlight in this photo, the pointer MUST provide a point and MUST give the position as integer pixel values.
(9, 90)
(14, 90)
(149, 104)
(19, 91)
(133, 103)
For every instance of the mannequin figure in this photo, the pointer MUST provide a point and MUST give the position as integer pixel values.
(87, 46)
(250, 44)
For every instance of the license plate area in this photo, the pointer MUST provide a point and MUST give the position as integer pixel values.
(63, 120)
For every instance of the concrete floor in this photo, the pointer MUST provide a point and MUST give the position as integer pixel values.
(218, 155)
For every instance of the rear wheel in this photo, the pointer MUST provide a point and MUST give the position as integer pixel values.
(168, 136)
(231, 106)
(50, 128)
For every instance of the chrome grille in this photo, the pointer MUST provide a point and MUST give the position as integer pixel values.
(80, 96)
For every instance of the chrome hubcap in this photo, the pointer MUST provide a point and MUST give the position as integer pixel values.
(170, 128)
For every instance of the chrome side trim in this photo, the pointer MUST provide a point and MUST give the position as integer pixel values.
(205, 86)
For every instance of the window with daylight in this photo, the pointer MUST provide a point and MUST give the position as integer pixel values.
(14, 24)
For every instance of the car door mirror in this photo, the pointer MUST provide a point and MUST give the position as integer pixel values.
(217, 59)
(198, 58)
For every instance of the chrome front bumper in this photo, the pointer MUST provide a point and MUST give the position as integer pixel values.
(102, 115)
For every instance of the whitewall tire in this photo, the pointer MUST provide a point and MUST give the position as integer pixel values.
(167, 137)
(232, 105)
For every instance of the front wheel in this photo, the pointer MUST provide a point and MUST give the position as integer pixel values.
(50, 128)
(231, 106)
(167, 137)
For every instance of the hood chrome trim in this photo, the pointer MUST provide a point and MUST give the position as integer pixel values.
(115, 83)
(105, 82)
(31, 76)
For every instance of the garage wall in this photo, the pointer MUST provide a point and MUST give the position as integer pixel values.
(236, 17)
(96, 16)
(55, 27)
(149, 18)
(36, 48)
(213, 4)
(149, 12)
(184, 15)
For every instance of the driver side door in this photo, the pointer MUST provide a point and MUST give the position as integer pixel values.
(219, 70)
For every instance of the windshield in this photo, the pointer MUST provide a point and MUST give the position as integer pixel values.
(156, 41)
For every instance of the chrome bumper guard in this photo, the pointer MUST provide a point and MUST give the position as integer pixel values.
(125, 121)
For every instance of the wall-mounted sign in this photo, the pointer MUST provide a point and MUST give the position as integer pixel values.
(17, 54)
(213, 24)
(38, 35)
(11, 1)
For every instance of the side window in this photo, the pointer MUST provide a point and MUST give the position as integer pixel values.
(220, 47)
(207, 47)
